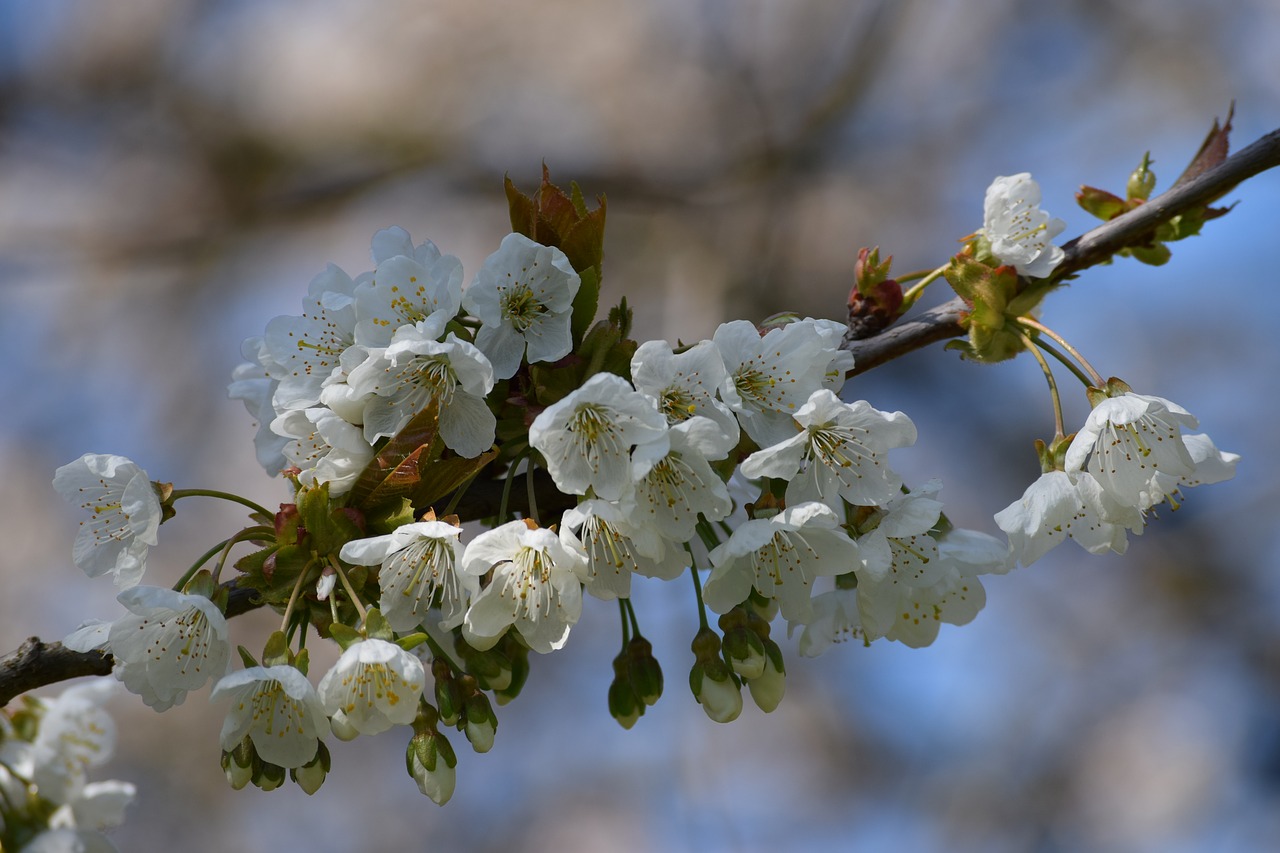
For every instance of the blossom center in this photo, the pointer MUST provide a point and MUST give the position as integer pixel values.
(521, 307)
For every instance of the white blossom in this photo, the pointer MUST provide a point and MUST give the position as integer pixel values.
(252, 384)
(1209, 465)
(674, 483)
(683, 385)
(1055, 508)
(275, 707)
(1126, 441)
(76, 733)
(424, 292)
(374, 685)
(401, 380)
(586, 438)
(780, 557)
(1021, 234)
(124, 513)
(769, 378)
(325, 448)
(615, 548)
(169, 644)
(523, 297)
(536, 586)
(419, 561)
(834, 618)
(304, 350)
(839, 454)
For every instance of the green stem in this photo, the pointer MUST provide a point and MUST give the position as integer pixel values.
(1053, 384)
(916, 290)
(530, 491)
(697, 588)
(458, 494)
(626, 626)
(506, 485)
(293, 600)
(346, 584)
(1064, 360)
(1096, 377)
(226, 496)
(438, 649)
(200, 561)
(631, 610)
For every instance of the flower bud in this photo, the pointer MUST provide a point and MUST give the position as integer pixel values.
(310, 776)
(431, 762)
(448, 692)
(237, 764)
(644, 672)
(745, 651)
(1142, 181)
(481, 724)
(715, 689)
(624, 705)
(1101, 203)
(768, 689)
(268, 776)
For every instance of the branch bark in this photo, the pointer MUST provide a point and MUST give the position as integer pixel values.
(1089, 249)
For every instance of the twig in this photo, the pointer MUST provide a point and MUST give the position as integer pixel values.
(1089, 249)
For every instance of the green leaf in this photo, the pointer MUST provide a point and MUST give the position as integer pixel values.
(585, 303)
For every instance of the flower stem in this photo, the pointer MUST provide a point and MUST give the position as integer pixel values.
(506, 486)
(458, 494)
(346, 584)
(226, 496)
(1094, 376)
(1053, 384)
(293, 600)
(530, 491)
(697, 588)
(626, 626)
(916, 290)
(1066, 362)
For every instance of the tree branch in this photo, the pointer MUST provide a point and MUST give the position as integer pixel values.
(36, 664)
(1087, 250)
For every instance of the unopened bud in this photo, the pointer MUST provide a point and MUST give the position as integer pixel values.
(644, 671)
(768, 689)
(431, 761)
(481, 725)
(237, 764)
(268, 776)
(310, 776)
(1143, 180)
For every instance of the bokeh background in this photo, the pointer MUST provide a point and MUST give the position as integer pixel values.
(173, 172)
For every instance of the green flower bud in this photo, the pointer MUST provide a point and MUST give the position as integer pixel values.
(310, 776)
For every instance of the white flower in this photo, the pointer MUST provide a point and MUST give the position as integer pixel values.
(405, 290)
(615, 548)
(838, 455)
(124, 510)
(780, 557)
(536, 586)
(674, 482)
(303, 351)
(770, 378)
(68, 840)
(839, 361)
(683, 385)
(278, 709)
(975, 553)
(834, 618)
(911, 614)
(415, 370)
(1055, 508)
(1020, 233)
(76, 733)
(586, 438)
(1128, 440)
(252, 384)
(720, 699)
(98, 805)
(389, 242)
(325, 448)
(899, 546)
(523, 296)
(374, 685)
(169, 644)
(1210, 465)
(419, 562)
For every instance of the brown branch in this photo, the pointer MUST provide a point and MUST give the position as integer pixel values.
(36, 664)
(1087, 250)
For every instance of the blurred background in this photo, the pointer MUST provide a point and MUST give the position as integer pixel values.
(174, 172)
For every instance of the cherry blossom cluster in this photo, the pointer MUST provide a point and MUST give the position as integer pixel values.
(737, 464)
(47, 749)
